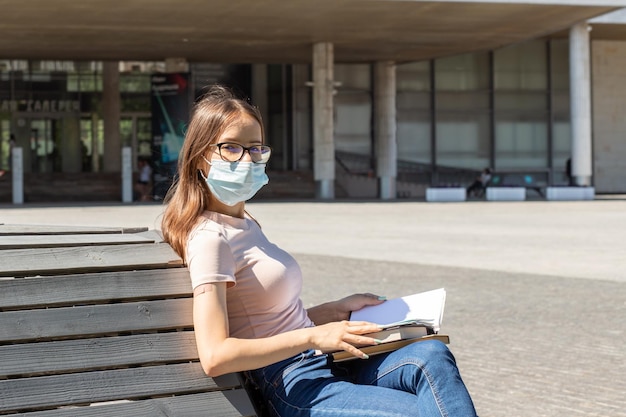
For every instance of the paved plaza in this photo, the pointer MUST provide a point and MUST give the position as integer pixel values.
(536, 302)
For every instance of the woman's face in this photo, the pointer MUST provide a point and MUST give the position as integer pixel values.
(245, 131)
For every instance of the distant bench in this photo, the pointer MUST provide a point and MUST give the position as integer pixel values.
(97, 322)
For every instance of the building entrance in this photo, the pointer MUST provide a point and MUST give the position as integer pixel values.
(50, 142)
(43, 145)
(136, 132)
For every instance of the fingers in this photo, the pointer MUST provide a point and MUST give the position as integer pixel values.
(355, 351)
(352, 343)
(361, 341)
(372, 299)
(361, 327)
(376, 297)
(358, 301)
(344, 335)
(356, 335)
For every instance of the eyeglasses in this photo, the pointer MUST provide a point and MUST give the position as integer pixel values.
(233, 152)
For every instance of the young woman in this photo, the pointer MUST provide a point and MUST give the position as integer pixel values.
(247, 312)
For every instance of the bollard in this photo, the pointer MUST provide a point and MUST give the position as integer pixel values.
(127, 175)
(17, 172)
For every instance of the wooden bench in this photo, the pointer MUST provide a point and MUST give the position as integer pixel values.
(97, 322)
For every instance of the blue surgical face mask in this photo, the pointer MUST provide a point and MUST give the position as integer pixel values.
(234, 182)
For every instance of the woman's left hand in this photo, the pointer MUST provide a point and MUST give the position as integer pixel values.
(356, 302)
(340, 310)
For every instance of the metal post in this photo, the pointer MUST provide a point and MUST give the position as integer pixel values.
(17, 172)
(127, 174)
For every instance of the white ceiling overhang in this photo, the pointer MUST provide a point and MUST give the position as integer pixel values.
(277, 30)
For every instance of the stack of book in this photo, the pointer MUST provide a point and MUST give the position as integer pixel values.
(404, 320)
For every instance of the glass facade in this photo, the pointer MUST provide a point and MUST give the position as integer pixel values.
(280, 122)
(560, 106)
(414, 112)
(5, 145)
(462, 111)
(53, 109)
(521, 106)
(506, 109)
(353, 109)
(352, 118)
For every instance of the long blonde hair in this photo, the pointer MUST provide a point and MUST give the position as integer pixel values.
(189, 196)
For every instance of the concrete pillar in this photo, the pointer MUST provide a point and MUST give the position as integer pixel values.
(385, 128)
(580, 102)
(111, 109)
(323, 129)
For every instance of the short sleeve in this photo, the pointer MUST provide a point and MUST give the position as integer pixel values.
(209, 258)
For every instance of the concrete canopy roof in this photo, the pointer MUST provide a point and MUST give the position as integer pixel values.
(248, 31)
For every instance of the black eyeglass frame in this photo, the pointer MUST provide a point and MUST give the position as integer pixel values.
(243, 151)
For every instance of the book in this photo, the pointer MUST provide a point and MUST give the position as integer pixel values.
(425, 308)
(399, 332)
(342, 355)
(403, 320)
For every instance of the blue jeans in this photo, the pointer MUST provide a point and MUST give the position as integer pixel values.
(421, 379)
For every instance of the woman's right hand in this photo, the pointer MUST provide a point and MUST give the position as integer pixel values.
(343, 335)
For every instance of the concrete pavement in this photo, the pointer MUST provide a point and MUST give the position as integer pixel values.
(536, 290)
(574, 239)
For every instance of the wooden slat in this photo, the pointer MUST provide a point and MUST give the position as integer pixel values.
(232, 403)
(60, 241)
(33, 229)
(66, 356)
(52, 261)
(24, 325)
(152, 234)
(96, 288)
(90, 387)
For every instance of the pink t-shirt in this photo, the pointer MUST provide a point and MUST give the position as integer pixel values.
(264, 281)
